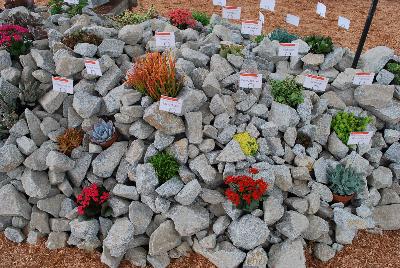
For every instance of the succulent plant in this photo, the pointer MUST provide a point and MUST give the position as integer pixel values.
(345, 180)
(102, 131)
(71, 139)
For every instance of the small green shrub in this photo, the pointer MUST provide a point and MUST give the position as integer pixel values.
(132, 17)
(287, 92)
(201, 17)
(77, 9)
(165, 166)
(394, 68)
(259, 38)
(319, 44)
(231, 49)
(282, 36)
(344, 181)
(55, 6)
(344, 123)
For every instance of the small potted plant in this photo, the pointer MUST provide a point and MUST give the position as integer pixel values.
(344, 183)
(92, 201)
(103, 134)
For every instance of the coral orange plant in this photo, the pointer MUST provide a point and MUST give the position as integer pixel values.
(71, 139)
(155, 75)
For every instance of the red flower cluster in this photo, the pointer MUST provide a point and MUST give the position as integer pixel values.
(10, 33)
(181, 18)
(91, 199)
(244, 191)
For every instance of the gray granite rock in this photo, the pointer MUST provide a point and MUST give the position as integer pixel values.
(189, 220)
(164, 238)
(106, 162)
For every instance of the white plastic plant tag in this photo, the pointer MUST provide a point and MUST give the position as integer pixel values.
(321, 9)
(344, 23)
(93, 67)
(62, 84)
(315, 82)
(261, 18)
(250, 80)
(221, 3)
(165, 39)
(268, 5)
(360, 138)
(363, 79)
(231, 12)
(251, 27)
(288, 49)
(293, 20)
(71, 2)
(171, 105)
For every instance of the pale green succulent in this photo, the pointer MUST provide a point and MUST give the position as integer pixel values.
(345, 180)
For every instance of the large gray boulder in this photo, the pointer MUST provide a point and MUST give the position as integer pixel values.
(164, 238)
(189, 220)
(14, 203)
(166, 122)
(35, 183)
(106, 162)
(119, 237)
(387, 217)
(10, 158)
(288, 254)
(375, 59)
(373, 96)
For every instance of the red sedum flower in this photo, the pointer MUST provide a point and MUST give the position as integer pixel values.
(91, 200)
(182, 18)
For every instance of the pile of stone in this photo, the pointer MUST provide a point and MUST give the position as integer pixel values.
(153, 222)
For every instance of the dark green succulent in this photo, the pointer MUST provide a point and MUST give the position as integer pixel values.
(319, 44)
(345, 180)
(165, 165)
(287, 92)
(282, 36)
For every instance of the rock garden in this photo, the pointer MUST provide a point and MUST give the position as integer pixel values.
(147, 137)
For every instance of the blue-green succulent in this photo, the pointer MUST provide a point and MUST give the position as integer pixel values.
(345, 180)
(102, 131)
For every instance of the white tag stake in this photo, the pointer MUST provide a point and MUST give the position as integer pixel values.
(261, 17)
(293, 20)
(93, 67)
(360, 138)
(251, 27)
(321, 9)
(165, 39)
(268, 5)
(315, 82)
(250, 80)
(231, 12)
(363, 79)
(171, 105)
(221, 3)
(288, 49)
(62, 84)
(344, 23)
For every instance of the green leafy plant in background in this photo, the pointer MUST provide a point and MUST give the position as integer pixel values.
(394, 68)
(345, 180)
(231, 49)
(201, 17)
(319, 44)
(344, 123)
(55, 6)
(77, 9)
(287, 92)
(259, 38)
(282, 36)
(165, 166)
(133, 17)
(248, 144)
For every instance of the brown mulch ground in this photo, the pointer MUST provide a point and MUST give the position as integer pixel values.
(367, 251)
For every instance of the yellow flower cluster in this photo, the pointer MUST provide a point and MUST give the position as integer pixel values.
(248, 144)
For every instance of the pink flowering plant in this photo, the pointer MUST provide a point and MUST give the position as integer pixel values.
(15, 39)
(182, 18)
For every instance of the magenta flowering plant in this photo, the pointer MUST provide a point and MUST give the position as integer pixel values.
(15, 39)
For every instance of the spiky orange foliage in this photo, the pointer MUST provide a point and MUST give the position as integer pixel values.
(71, 139)
(155, 75)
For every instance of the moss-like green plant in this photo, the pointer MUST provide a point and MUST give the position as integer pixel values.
(319, 44)
(344, 123)
(133, 17)
(165, 166)
(259, 38)
(248, 144)
(55, 6)
(344, 180)
(77, 9)
(282, 36)
(201, 17)
(394, 68)
(231, 49)
(287, 92)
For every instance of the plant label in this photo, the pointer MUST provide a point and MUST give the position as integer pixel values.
(315, 82)
(344, 23)
(293, 20)
(171, 105)
(261, 18)
(62, 84)
(360, 138)
(71, 2)
(268, 5)
(231, 12)
(251, 27)
(288, 49)
(321, 9)
(221, 3)
(363, 79)
(93, 67)
(165, 39)
(250, 80)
